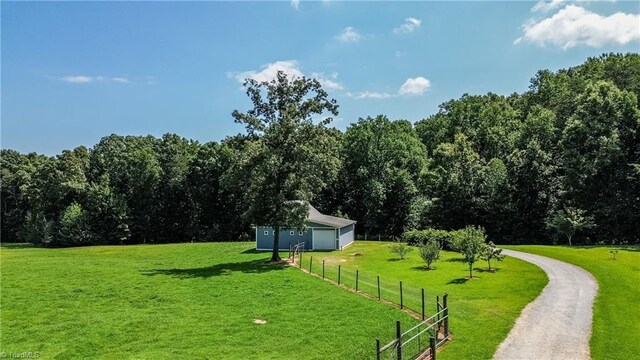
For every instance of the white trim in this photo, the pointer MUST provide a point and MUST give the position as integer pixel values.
(256, 237)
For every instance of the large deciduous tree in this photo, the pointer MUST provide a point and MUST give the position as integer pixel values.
(293, 155)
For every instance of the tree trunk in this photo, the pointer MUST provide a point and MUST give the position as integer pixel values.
(470, 270)
(569, 240)
(489, 262)
(275, 255)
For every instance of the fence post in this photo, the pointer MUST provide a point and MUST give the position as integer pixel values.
(300, 260)
(357, 273)
(399, 339)
(438, 306)
(378, 287)
(310, 263)
(432, 345)
(338, 274)
(323, 269)
(446, 314)
(401, 302)
(422, 304)
(377, 349)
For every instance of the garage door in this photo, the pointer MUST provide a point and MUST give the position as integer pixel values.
(324, 239)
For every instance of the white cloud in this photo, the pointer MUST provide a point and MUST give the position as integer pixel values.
(414, 86)
(292, 69)
(77, 79)
(329, 83)
(400, 54)
(349, 34)
(295, 4)
(120, 79)
(269, 71)
(546, 6)
(409, 26)
(369, 95)
(575, 25)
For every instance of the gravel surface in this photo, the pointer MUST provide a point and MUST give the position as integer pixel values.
(557, 324)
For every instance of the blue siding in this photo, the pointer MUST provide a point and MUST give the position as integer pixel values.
(346, 235)
(265, 242)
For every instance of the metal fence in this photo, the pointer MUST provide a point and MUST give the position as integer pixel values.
(421, 341)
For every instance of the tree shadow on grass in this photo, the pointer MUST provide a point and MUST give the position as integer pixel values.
(423, 268)
(458, 281)
(247, 267)
(483, 270)
(456, 260)
(394, 259)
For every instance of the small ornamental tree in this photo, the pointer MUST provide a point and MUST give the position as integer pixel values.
(613, 252)
(401, 249)
(470, 242)
(569, 221)
(491, 252)
(430, 252)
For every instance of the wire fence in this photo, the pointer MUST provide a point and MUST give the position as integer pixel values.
(405, 296)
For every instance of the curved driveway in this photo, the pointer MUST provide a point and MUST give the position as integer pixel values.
(557, 324)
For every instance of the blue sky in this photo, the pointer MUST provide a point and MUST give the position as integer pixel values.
(73, 72)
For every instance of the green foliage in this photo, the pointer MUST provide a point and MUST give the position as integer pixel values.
(470, 242)
(569, 221)
(614, 252)
(292, 158)
(421, 237)
(37, 229)
(514, 165)
(430, 252)
(74, 227)
(491, 252)
(401, 249)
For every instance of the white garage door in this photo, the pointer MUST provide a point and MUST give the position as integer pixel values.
(324, 239)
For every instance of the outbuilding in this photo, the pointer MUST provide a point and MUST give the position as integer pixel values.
(323, 232)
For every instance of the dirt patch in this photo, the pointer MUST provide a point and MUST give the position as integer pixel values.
(259, 321)
(356, 254)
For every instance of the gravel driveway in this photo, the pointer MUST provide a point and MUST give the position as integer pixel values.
(557, 324)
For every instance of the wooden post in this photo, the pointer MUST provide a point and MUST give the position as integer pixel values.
(300, 259)
(377, 349)
(399, 340)
(378, 287)
(423, 304)
(432, 345)
(357, 273)
(401, 303)
(446, 314)
(323, 269)
(438, 306)
(338, 274)
(310, 263)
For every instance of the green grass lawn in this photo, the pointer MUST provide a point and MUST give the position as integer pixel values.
(616, 313)
(482, 310)
(181, 301)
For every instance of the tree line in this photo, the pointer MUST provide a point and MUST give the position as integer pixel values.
(559, 160)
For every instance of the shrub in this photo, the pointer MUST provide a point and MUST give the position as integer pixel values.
(74, 227)
(421, 237)
(401, 249)
(430, 252)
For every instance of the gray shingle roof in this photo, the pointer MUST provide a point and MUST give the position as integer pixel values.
(317, 217)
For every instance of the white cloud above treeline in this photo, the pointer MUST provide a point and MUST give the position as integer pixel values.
(349, 34)
(292, 69)
(574, 25)
(295, 4)
(409, 26)
(85, 79)
(412, 86)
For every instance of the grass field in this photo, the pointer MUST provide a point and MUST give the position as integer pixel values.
(616, 313)
(180, 301)
(483, 310)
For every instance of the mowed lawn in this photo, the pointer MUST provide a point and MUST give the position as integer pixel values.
(177, 301)
(482, 310)
(616, 312)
